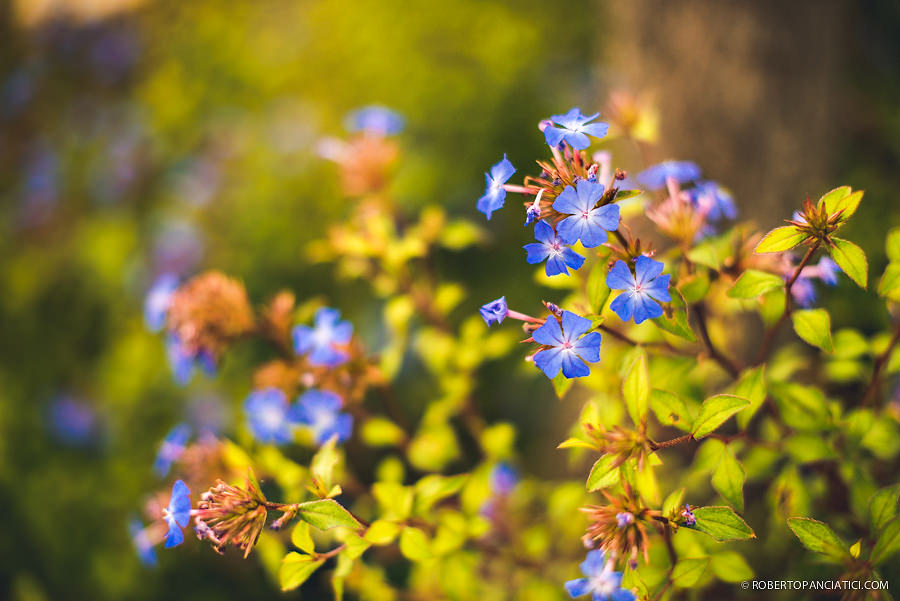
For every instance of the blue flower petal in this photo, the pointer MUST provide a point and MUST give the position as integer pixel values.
(549, 333)
(572, 366)
(549, 361)
(620, 277)
(578, 588)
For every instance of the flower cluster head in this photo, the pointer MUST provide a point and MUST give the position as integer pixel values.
(551, 248)
(320, 411)
(375, 120)
(688, 516)
(503, 479)
(158, 301)
(573, 128)
(642, 289)
(566, 346)
(600, 580)
(658, 176)
(619, 528)
(177, 514)
(494, 192)
(171, 448)
(229, 514)
(267, 416)
(325, 343)
(184, 361)
(586, 221)
(713, 200)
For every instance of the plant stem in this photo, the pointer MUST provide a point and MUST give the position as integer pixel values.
(670, 443)
(727, 364)
(880, 363)
(788, 306)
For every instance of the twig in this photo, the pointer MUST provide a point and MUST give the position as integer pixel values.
(880, 363)
(727, 363)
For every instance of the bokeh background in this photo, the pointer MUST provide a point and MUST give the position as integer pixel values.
(138, 137)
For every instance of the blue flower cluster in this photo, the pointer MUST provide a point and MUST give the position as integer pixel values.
(708, 196)
(600, 581)
(325, 343)
(271, 417)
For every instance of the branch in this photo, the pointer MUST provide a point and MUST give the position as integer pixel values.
(880, 363)
(727, 363)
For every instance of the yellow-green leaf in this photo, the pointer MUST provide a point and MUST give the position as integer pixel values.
(888, 542)
(814, 327)
(414, 544)
(780, 239)
(754, 283)
(714, 411)
(636, 390)
(381, 532)
(721, 523)
(728, 480)
(851, 259)
(889, 286)
(296, 569)
(819, 537)
(688, 571)
(301, 537)
(326, 514)
(603, 474)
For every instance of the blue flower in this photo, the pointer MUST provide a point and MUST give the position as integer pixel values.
(141, 542)
(550, 247)
(73, 421)
(640, 289)
(803, 291)
(600, 580)
(158, 300)
(494, 311)
(322, 340)
(170, 450)
(375, 119)
(567, 350)
(177, 514)
(585, 222)
(828, 271)
(320, 410)
(688, 516)
(183, 361)
(681, 171)
(714, 199)
(495, 193)
(503, 479)
(574, 129)
(267, 412)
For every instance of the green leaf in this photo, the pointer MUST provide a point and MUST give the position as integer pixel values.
(672, 503)
(780, 239)
(597, 290)
(323, 464)
(714, 411)
(753, 284)
(846, 203)
(721, 523)
(381, 532)
(883, 506)
(301, 537)
(817, 536)
(432, 488)
(670, 409)
(832, 197)
(636, 390)
(394, 499)
(728, 480)
(562, 384)
(751, 386)
(688, 571)
(603, 474)
(356, 546)
(887, 544)
(814, 327)
(892, 245)
(889, 286)
(414, 544)
(851, 259)
(296, 569)
(729, 566)
(382, 432)
(326, 514)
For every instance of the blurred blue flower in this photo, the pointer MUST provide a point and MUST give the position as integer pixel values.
(585, 222)
(574, 129)
(171, 448)
(321, 341)
(494, 311)
(72, 421)
(828, 271)
(141, 542)
(375, 119)
(640, 290)
(267, 413)
(600, 580)
(714, 200)
(503, 478)
(550, 247)
(320, 411)
(177, 514)
(183, 361)
(569, 349)
(158, 300)
(803, 291)
(655, 177)
(177, 247)
(495, 193)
